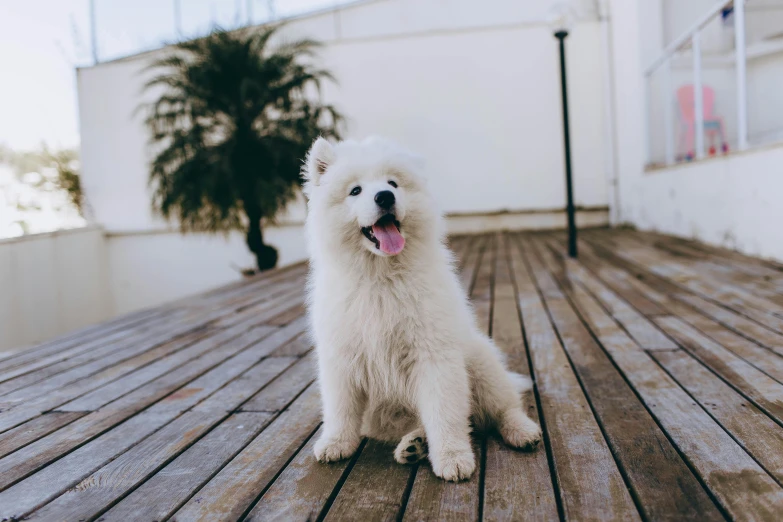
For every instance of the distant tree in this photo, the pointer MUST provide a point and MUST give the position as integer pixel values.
(229, 132)
(66, 163)
(48, 170)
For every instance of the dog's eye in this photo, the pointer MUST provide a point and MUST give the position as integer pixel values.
(356, 191)
(392, 183)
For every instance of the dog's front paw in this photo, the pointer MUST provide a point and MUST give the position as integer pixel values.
(455, 466)
(412, 448)
(334, 449)
(520, 431)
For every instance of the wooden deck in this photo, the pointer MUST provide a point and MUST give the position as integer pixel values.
(658, 366)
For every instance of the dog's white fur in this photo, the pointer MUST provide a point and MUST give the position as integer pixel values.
(399, 353)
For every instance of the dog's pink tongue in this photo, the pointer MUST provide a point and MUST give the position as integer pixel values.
(390, 238)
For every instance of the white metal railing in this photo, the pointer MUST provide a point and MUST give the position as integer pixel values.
(663, 65)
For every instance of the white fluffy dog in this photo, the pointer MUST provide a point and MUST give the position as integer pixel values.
(399, 353)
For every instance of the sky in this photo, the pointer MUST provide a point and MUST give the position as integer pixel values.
(43, 41)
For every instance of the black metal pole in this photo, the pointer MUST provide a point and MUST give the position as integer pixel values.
(561, 36)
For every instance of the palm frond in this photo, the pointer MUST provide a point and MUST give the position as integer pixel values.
(236, 117)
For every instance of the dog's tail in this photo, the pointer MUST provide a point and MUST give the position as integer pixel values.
(521, 382)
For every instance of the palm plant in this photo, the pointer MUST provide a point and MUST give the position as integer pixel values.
(236, 117)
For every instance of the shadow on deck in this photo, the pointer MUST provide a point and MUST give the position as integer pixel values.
(658, 366)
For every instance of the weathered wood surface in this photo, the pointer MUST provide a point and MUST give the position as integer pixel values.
(658, 371)
(642, 450)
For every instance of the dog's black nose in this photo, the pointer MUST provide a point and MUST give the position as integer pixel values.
(385, 199)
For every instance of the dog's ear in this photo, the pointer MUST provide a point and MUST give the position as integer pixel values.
(320, 157)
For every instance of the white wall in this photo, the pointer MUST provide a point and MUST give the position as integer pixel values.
(765, 104)
(51, 284)
(627, 22)
(154, 268)
(732, 201)
(471, 86)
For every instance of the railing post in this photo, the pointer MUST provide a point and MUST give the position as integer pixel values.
(668, 109)
(742, 97)
(178, 19)
(93, 33)
(698, 95)
(647, 131)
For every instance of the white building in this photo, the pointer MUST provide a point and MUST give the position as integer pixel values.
(474, 88)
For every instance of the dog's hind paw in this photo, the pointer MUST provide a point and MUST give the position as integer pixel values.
(455, 466)
(412, 448)
(334, 449)
(520, 431)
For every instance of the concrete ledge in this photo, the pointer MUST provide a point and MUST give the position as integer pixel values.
(524, 220)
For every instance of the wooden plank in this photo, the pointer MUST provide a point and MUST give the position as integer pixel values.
(753, 278)
(123, 360)
(755, 431)
(461, 249)
(762, 358)
(37, 360)
(284, 335)
(363, 496)
(163, 333)
(34, 429)
(22, 463)
(638, 444)
(280, 392)
(98, 491)
(297, 347)
(747, 264)
(646, 334)
(168, 489)
(768, 287)
(239, 390)
(742, 487)
(668, 291)
(130, 468)
(268, 339)
(249, 294)
(621, 282)
(138, 320)
(286, 317)
(254, 283)
(737, 299)
(764, 391)
(591, 486)
(470, 266)
(738, 323)
(246, 320)
(105, 394)
(40, 381)
(233, 490)
(79, 336)
(265, 310)
(625, 285)
(104, 486)
(30, 493)
(15, 413)
(517, 484)
(302, 490)
(44, 361)
(481, 293)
